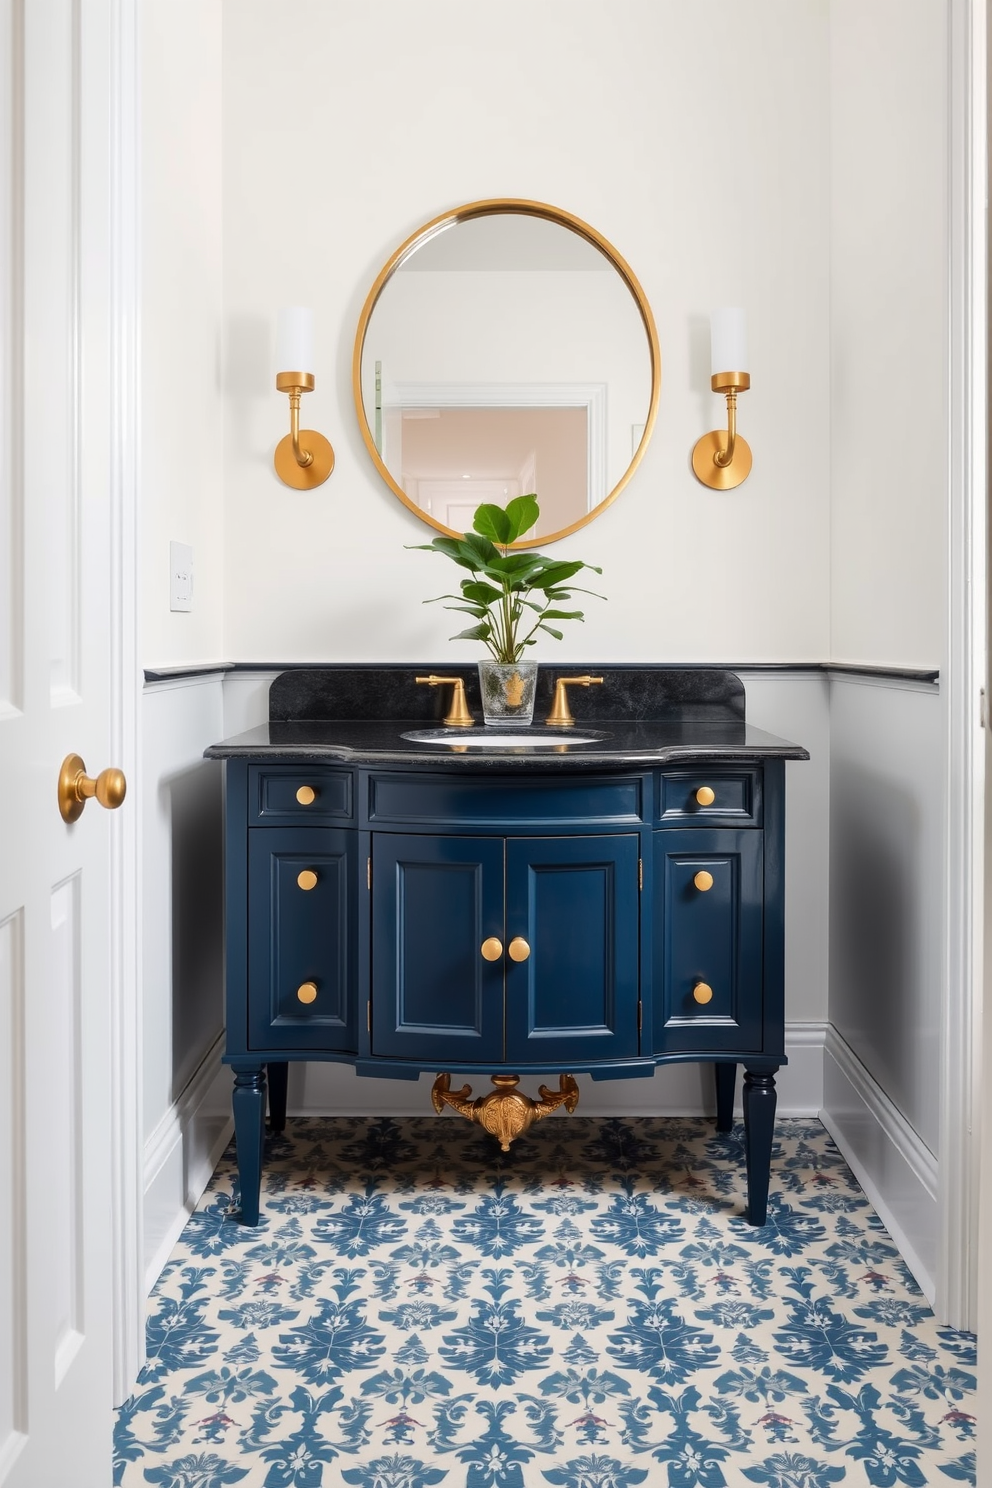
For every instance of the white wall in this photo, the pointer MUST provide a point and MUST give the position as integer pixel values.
(888, 453)
(638, 119)
(181, 301)
(181, 483)
(888, 330)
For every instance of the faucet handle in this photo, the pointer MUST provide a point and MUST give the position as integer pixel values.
(561, 714)
(458, 715)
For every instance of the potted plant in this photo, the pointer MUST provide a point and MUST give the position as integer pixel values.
(512, 596)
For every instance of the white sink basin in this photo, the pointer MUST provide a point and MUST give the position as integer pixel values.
(508, 738)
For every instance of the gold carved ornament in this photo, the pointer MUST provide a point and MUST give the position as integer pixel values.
(505, 1112)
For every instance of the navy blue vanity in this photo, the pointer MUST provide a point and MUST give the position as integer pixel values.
(599, 900)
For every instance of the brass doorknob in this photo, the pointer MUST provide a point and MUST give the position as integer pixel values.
(518, 949)
(706, 795)
(76, 788)
(703, 881)
(307, 879)
(703, 992)
(306, 795)
(492, 948)
(307, 992)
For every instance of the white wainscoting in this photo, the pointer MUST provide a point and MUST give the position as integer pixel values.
(185, 1090)
(895, 1168)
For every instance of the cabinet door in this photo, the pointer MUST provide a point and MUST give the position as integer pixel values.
(574, 900)
(435, 901)
(301, 938)
(708, 917)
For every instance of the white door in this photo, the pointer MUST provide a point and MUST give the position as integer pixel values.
(56, 1229)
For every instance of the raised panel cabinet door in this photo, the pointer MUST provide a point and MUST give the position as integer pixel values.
(436, 901)
(302, 991)
(573, 902)
(708, 917)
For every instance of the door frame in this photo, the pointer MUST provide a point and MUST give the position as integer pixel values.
(965, 669)
(120, 20)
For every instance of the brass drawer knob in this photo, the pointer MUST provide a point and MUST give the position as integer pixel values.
(706, 795)
(518, 949)
(702, 880)
(703, 992)
(492, 948)
(308, 879)
(307, 992)
(306, 795)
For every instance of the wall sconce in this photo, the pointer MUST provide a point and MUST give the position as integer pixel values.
(723, 460)
(304, 458)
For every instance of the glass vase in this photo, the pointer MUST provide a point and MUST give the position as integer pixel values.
(507, 692)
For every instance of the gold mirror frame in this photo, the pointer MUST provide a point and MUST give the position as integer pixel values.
(492, 207)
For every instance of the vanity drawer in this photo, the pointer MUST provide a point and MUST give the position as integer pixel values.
(282, 794)
(471, 802)
(684, 797)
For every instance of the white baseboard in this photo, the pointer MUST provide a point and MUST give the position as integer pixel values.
(896, 1170)
(672, 1090)
(181, 1154)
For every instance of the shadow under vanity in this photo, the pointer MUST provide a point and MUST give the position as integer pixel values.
(572, 904)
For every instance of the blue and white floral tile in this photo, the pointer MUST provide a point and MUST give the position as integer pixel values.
(589, 1311)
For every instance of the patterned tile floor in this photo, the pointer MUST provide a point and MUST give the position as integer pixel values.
(589, 1310)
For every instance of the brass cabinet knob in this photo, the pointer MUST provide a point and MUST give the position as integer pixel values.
(307, 879)
(306, 795)
(492, 948)
(518, 949)
(307, 992)
(703, 992)
(76, 788)
(702, 880)
(706, 795)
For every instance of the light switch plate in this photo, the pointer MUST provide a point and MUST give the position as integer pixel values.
(180, 576)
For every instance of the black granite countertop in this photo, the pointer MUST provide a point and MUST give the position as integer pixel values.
(646, 716)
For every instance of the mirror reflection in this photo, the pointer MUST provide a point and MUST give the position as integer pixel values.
(506, 348)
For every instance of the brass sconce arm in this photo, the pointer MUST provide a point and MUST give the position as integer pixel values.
(295, 384)
(723, 460)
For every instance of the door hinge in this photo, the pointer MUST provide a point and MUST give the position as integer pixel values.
(640, 1012)
(368, 871)
(368, 1015)
(983, 709)
(640, 873)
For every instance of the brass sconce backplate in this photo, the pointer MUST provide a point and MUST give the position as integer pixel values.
(304, 477)
(505, 1112)
(720, 477)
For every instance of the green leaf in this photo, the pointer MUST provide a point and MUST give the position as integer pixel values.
(558, 634)
(493, 522)
(484, 594)
(475, 633)
(523, 512)
(562, 615)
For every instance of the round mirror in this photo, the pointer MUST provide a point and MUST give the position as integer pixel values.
(506, 348)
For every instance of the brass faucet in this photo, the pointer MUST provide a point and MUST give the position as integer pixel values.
(561, 715)
(458, 715)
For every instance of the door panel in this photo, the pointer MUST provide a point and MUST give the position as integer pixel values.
(58, 982)
(711, 939)
(435, 900)
(301, 937)
(575, 902)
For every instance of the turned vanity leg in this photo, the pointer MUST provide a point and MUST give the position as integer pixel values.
(760, 1098)
(278, 1078)
(726, 1080)
(249, 1135)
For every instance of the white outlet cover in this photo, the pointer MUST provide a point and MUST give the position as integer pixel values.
(180, 576)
